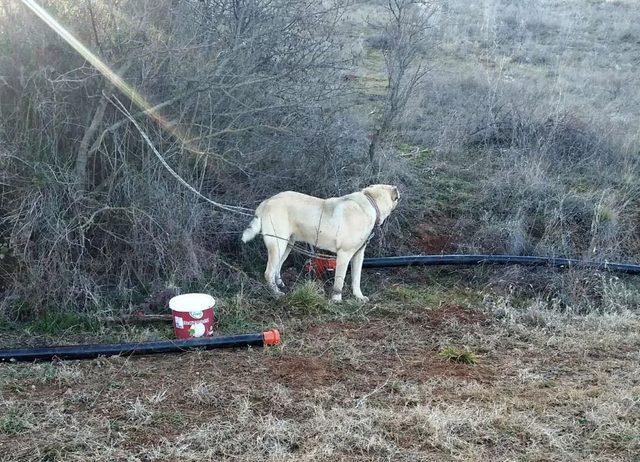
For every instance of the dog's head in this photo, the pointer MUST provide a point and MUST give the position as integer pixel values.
(386, 195)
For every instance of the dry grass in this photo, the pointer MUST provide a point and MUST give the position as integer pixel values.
(531, 128)
(551, 385)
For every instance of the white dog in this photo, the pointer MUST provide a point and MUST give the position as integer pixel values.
(338, 224)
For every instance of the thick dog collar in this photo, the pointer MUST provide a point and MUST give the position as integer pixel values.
(374, 205)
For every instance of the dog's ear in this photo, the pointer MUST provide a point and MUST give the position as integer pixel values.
(395, 194)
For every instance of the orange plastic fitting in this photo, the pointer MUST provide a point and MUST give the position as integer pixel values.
(271, 337)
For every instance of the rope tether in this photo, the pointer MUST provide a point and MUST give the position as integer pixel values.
(229, 208)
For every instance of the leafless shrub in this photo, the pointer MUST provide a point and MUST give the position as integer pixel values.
(91, 218)
(513, 138)
(405, 43)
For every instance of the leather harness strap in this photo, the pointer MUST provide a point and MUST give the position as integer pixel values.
(374, 205)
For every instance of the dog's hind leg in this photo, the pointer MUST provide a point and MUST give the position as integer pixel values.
(287, 251)
(276, 238)
(275, 250)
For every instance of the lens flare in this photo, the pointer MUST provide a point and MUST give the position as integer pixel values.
(137, 99)
(107, 72)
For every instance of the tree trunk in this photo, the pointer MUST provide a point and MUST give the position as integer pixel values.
(83, 150)
(373, 145)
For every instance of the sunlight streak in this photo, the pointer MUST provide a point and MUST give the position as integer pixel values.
(107, 72)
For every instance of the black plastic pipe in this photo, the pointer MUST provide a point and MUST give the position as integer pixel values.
(434, 260)
(271, 337)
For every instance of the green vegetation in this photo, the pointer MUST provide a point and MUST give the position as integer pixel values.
(459, 355)
(307, 297)
(60, 323)
(13, 423)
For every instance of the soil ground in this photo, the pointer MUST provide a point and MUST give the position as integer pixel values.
(354, 383)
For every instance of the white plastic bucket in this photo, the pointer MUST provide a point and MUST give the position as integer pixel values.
(192, 315)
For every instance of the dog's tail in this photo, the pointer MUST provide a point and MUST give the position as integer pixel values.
(253, 230)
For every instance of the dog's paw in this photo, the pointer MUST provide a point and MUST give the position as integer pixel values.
(336, 299)
(278, 293)
(363, 299)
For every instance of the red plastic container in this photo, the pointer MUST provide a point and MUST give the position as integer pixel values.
(321, 267)
(192, 315)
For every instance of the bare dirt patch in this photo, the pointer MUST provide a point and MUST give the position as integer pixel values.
(430, 240)
(303, 372)
(415, 355)
(446, 314)
(375, 330)
(426, 366)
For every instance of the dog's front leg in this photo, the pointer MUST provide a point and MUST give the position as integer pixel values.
(356, 271)
(342, 263)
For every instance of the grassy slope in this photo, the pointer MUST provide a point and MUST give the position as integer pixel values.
(362, 383)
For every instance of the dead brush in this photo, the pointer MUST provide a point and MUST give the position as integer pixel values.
(90, 219)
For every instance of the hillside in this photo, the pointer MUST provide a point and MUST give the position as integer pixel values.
(509, 127)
